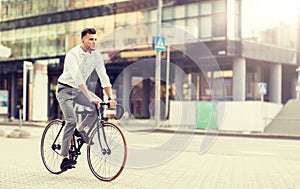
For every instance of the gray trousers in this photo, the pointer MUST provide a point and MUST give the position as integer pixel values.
(67, 98)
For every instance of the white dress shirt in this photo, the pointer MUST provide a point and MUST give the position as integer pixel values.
(79, 65)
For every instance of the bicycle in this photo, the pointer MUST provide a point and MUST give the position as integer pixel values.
(106, 148)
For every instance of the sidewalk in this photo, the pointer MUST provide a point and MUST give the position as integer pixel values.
(36, 128)
(26, 129)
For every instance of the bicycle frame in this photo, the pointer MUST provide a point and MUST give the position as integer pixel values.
(75, 145)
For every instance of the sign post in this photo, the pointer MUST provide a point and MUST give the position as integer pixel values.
(157, 64)
(262, 89)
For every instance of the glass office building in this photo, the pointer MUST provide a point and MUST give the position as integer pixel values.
(253, 41)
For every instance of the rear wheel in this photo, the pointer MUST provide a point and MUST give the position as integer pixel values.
(107, 158)
(50, 150)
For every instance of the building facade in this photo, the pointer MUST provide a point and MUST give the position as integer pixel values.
(251, 41)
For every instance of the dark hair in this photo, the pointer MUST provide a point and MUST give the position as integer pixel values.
(87, 31)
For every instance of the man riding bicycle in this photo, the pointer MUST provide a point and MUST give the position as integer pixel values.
(79, 63)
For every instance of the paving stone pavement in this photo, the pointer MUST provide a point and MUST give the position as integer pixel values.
(275, 164)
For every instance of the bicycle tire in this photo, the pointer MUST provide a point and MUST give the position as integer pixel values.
(107, 167)
(52, 157)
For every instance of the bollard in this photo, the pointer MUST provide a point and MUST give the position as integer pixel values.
(20, 118)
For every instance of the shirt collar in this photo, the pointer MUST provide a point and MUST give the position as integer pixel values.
(85, 53)
(81, 51)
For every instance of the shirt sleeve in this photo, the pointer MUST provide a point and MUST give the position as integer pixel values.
(101, 71)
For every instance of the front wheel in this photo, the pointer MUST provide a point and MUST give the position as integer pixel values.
(51, 146)
(107, 152)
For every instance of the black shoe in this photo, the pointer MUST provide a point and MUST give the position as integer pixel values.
(67, 164)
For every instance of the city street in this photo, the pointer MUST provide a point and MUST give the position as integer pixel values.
(230, 163)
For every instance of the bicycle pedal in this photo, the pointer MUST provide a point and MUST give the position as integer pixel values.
(72, 167)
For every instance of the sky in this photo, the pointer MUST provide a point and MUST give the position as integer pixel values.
(264, 14)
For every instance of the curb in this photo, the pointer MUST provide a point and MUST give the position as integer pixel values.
(232, 134)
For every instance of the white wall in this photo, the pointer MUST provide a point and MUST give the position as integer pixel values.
(249, 116)
(182, 113)
(246, 116)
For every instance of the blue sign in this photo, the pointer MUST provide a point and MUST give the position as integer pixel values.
(160, 44)
(3, 102)
(262, 87)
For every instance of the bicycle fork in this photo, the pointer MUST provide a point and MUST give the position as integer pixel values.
(104, 149)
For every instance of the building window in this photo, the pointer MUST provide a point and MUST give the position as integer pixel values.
(179, 11)
(205, 8)
(205, 27)
(192, 28)
(219, 25)
(167, 13)
(192, 10)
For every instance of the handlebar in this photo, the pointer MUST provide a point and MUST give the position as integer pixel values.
(102, 104)
(119, 109)
(101, 109)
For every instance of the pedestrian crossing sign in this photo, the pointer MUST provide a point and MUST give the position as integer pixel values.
(160, 44)
(262, 88)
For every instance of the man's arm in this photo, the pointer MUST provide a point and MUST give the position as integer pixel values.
(108, 92)
(85, 91)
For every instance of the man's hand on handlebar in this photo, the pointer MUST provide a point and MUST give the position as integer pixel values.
(95, 101)
(112, 103)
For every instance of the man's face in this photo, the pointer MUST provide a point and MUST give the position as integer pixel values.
(89, 42)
